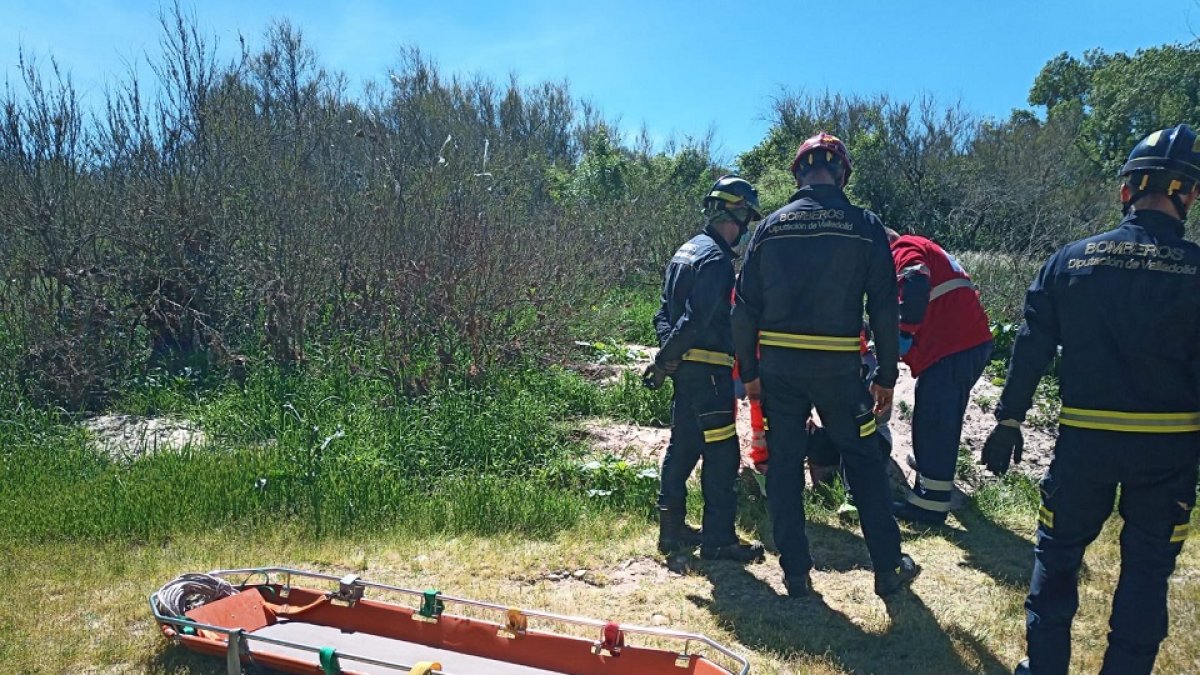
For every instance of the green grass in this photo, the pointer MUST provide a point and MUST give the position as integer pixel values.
(333, 449)
(625, 315)
(482, 490)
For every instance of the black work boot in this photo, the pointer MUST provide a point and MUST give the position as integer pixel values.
(739, 552)
(673, 533)
(798, 586)
(911, 513)
(890, 581)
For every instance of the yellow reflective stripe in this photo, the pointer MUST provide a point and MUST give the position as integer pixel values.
(929, 504)
(706, 356)
(828, 343)
(720, 194)
(1115, 420)
(867, 428)
(932, 484)
(1046, 516)
(1181, 532)
(720, 434)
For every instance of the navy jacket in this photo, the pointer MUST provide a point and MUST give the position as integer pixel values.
(1125, 308)
(697, 289)
(808, 269)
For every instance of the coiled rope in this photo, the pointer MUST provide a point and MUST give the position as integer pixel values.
(190, 591)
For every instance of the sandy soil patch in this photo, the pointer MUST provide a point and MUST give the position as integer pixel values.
(128, 437)
(632, 442)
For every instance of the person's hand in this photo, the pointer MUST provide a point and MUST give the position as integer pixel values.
(653, 376)
(883, 399)
(754, 389)
(671, 366)
(761, 467)
(1002, 445)
(906, 342)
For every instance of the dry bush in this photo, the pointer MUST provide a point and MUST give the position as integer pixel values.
(252, 208)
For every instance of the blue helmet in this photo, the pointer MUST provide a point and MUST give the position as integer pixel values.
(1165, 162)
(1167, 151)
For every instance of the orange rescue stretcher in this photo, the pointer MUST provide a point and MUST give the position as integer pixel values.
(298, 629)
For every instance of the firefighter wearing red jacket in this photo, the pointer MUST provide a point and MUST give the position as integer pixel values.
(946, 342)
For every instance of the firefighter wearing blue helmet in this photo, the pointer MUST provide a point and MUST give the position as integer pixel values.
(1124, 307)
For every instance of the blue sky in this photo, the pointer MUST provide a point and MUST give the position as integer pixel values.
(679, 68)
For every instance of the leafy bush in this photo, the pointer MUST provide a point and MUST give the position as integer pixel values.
(252, 210)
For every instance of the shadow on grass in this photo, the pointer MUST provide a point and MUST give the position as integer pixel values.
(767, 622)
(175, 659)
(992, 549)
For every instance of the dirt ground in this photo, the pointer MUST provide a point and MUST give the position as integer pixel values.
(634, 442)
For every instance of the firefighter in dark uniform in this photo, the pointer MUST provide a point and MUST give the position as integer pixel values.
(696, 350)
(1124, 306)
(800, 298)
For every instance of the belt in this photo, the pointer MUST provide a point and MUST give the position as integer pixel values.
(947, 286)
(1146, 423)
(706, 356)
(823, 343)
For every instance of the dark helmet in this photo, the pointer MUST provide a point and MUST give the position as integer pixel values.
(832, 146)
(1167, 162)
(1174, 151)
(731, 192)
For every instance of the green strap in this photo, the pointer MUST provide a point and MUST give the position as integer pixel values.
(431, 604)
(329, 661)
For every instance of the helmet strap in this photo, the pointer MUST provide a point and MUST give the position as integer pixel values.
(1179, 206)
(1138, 190)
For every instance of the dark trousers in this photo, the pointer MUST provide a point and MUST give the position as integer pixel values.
(702, 426)
(845, 409)
(943, 391)
(1157, 477)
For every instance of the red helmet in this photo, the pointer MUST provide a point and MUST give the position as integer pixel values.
(832, 145)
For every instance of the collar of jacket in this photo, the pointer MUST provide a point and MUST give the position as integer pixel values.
(819, 192)
(1151, 219)
(716, 236)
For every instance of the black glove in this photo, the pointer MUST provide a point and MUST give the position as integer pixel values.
(1003, 444)
(653, 376)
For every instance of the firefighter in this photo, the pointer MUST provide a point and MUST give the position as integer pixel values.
(946, 342)
(696, 350)
(1124, 308)
(800, 297)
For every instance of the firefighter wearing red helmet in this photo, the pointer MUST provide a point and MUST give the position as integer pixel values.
(823, 150)
(1124, 308)
(696, 350)
(800, 298)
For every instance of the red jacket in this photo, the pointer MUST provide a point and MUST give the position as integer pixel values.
(938, 304)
